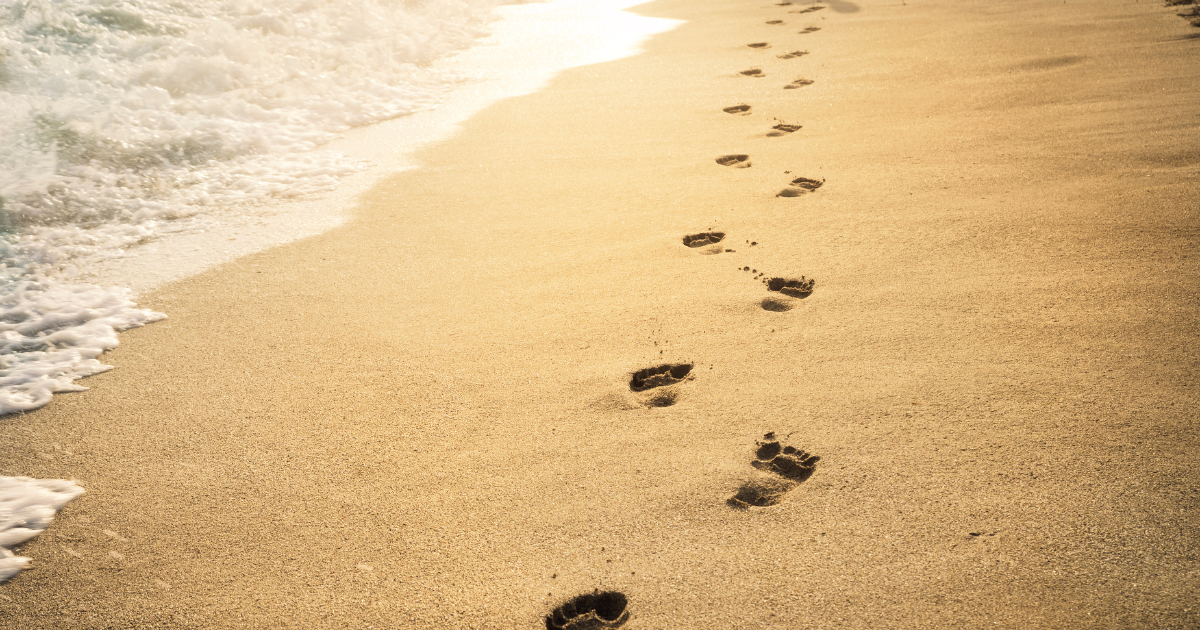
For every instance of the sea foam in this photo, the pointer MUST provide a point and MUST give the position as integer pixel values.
(27, 506)
(123, 121)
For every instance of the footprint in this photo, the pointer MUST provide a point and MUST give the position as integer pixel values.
(788, 462)
(702, 239)
(753, 72)
(741, 110)
(801, 288)
(759, 45)
(793, 54)
(739, 160)
(810, 29)
(808, 10)
(775, 22)
(782, 129)
(801, 186)
(666, 374)
(788, 466)
(798, 83)
(657, 382)
(590, 611)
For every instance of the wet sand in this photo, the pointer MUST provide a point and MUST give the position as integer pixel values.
(424, 418)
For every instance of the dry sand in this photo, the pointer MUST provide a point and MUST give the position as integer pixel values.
(423, 419)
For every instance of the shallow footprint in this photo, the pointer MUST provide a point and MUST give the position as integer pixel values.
(775, 22)
(782, 129)
(808, 10)
(801, 186)
(789, 467)
(798, 83)
(810, 29)
(753, 72)
(759, 45)
(793, 54)
(742, 109)
(760, 493)
(739, 160)
(590, 611)
(776, 305)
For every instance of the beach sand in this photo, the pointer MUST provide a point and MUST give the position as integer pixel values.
(423, 419)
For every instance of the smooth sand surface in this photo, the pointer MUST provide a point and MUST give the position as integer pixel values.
(423, 419)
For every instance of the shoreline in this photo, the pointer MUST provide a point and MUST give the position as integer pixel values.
(387, 147)
(423, 418)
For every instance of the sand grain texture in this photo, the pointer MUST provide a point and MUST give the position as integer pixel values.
(423, 419)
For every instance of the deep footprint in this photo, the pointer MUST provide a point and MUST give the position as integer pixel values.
(791, 467)
(702, 239)
(801, 186)
(759, 45)
(786, 461)
(667, 374)
(798, 83)
(775, 22)
(739, 160)
(590, 611)
(753, 72)
(801, 288)
(737, 109)
(793, 54)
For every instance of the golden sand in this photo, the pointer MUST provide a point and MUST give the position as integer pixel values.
(425, 418)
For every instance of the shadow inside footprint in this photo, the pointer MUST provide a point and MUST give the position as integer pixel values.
(737, 109)
(807, 183)
(801, 288)
(702, 239)
(785, 461)
(809, 9)
(801, 186)
(774, 21)
(782, 129)
(667, 374)
(753, 72)
(590, 611)
(740, 160)
(759, 45)
(810, 29)
(793, 54)
(798, 83)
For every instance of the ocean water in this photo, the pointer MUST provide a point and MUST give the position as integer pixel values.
(145, 140)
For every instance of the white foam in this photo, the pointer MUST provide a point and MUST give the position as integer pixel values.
(27, 507)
